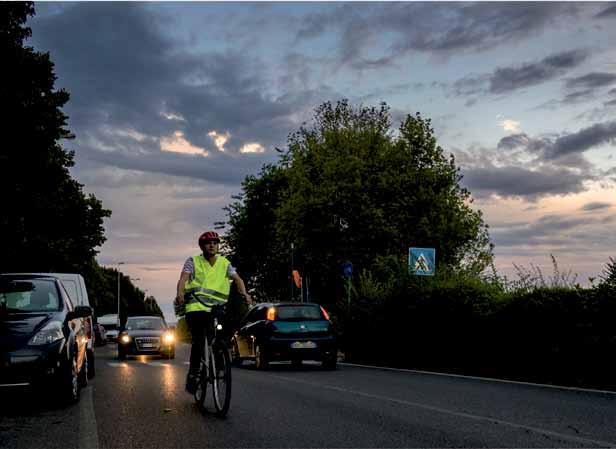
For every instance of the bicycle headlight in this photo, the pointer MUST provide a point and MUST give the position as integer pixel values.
(219, 327)
(51, 332)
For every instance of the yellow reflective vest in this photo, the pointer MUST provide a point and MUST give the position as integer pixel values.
(209, 287)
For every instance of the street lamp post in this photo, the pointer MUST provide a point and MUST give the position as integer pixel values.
(119, 263)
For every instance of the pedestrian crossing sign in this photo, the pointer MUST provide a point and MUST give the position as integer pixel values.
(422, 261)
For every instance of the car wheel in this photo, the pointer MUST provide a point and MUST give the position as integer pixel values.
(91, 364)
(84, 372)
(260, 358)
(69, 382)
(236, 360)
(172, 354)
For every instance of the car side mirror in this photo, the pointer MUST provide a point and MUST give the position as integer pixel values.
(79, 312)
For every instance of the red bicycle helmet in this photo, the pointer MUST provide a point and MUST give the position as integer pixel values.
(208, 236)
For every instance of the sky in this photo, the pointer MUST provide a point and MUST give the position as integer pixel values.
(173, 104)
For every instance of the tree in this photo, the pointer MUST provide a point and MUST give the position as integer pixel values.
(350, 188)
(251, 241)
(47, 223)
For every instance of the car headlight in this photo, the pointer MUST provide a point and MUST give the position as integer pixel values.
(48, 334)
(168, 338)
(125, 338)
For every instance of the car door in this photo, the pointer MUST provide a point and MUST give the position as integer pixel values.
(78, 327)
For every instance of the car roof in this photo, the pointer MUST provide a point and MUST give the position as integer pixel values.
(288, 303)
(145, 316)
(29, 276)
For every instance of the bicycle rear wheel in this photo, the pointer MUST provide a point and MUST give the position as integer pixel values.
(201, 390)
(221, 378)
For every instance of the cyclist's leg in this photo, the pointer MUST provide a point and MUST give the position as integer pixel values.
(196, 322)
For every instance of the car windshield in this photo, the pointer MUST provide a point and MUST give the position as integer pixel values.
(144, 324)
(291, 313)
(28, 295)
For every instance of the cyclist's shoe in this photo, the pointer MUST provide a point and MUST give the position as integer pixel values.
(191, 383)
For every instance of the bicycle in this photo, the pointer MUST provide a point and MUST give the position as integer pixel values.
(215, 368)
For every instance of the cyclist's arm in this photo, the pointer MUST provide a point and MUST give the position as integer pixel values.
(241, 287)
(184, 277)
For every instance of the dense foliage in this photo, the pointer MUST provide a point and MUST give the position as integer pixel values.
(467, 325)
(48, 223)
(350, 188)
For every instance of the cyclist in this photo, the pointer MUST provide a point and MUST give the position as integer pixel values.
(204, 283)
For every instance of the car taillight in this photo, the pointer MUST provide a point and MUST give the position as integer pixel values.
(325, 314)
(89, 327)
(271, 314)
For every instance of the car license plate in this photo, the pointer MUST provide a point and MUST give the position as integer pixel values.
(303, 345)
(148, 345)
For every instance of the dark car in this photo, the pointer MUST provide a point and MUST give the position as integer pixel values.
(285, 331)
(146, 335)
(43, 337)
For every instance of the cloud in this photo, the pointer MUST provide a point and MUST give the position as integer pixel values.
(607, 13)
(591, 80)
(176, 143)
(508, 79)
(439, 28)
(553, 149)
(510, 125)
(597, 205)
(515, 181)
(513, 141)
(144, 81)
(595, 135)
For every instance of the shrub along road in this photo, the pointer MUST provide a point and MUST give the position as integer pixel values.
(142, 403)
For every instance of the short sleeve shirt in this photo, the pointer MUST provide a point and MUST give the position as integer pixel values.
(189, 267)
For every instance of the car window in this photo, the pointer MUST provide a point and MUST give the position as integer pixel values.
(71, 289)
(291, 313)
(67, 298)
(144, 324)
(31, 295)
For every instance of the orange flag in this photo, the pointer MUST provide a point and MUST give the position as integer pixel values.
(297, 278)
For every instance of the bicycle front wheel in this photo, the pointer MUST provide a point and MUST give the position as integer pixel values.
(201, 390)
(221, 378)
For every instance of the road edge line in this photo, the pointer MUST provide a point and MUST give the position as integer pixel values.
(88, 433)
(489, 379)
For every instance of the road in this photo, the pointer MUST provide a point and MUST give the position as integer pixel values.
(141, 403)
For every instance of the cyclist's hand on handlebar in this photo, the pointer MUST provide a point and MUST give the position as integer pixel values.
(248, 298)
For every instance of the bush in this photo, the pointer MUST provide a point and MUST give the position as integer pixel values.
(551, 332)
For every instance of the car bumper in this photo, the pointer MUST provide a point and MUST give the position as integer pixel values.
(278, 349)
(131, 348)
(30, 365)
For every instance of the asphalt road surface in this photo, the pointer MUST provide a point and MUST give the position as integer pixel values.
(141, 403)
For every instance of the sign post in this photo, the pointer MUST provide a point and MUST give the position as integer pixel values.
(347, 270)
(422, 261)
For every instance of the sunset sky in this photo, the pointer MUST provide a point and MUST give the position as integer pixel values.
(173, 104)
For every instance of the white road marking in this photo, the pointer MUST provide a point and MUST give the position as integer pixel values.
(490, 379)
(451, 412)
(88, 434)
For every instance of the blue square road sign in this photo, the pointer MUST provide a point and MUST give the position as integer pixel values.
(422, 261)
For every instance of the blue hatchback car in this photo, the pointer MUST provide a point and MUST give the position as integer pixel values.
(285, 331)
